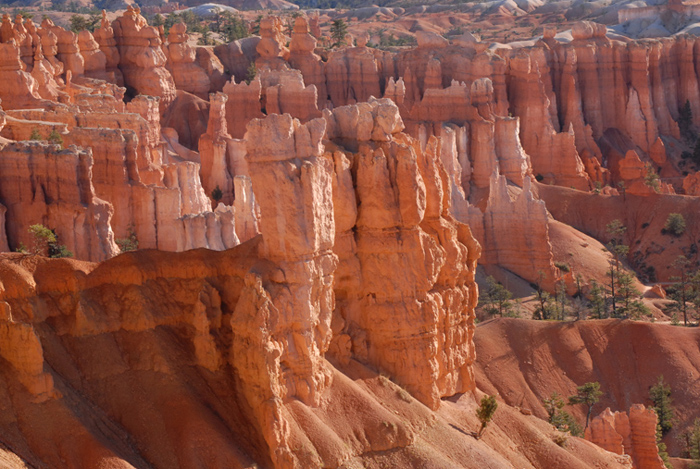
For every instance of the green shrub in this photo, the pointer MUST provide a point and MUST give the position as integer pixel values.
(130, 243)
(55, 138)
(675, 224)
(485, 412)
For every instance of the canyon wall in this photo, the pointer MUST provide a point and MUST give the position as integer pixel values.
(582, 114)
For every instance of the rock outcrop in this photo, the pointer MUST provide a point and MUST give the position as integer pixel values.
(141, 59)
(401, 254)
(44, 184)
(633, 434)
(104, 36)
(181, 62)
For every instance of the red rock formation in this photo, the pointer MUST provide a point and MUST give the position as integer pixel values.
(399, 231)
(213, 147)
(104, 36)
(246, 210)
(68, 50)
(303, 58)
(187, 74)
(271, 49)
(24, 40)
(352, 75)
(44, 184)
(634, 435)
(526, 251)
(19, 89)
(237, 56)
(43, 73)
(142, 61)
(50, 49)
(242, 106)
(283, 92)
(691, 184)
(554, 155)
(95, 59)
(292, 183)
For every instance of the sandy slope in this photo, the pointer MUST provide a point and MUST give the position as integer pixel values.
(525, 361)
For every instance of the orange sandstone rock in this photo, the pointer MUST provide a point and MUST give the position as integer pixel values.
(142, 61)
(187, 74)
(622, 434)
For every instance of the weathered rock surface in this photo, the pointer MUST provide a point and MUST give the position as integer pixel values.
(181, 62)
(141, 59)
(633, 434)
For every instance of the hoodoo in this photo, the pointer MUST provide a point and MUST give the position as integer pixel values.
(328, 243)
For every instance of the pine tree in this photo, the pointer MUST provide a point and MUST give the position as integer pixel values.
(596, 300)
(682, 292)
(485, 412)
(496, 298)
(651, 177)
(339, 31)
(660, 395)
(560, 418)
(685, 121)
(618, 249)
(588, 395)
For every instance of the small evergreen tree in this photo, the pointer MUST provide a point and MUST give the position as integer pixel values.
(41, 238)
(35, 135)
(660, 395)
(80, 23)
(485, 412)
(217, 194)
(588, 395)
(496, 298)
(618, 249)
(55, 138)
(693, 443)
(675, 224)
(339, 31)
(596, 300)
(251, 72)
(170, 21)
(131, 242)
(256, 25)
(545, 309)
(232, 27)
(651, 177)
(158, 20)
(561, 419)
(695, 156)
(561, 300)
(685, 121)
(681, 292)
